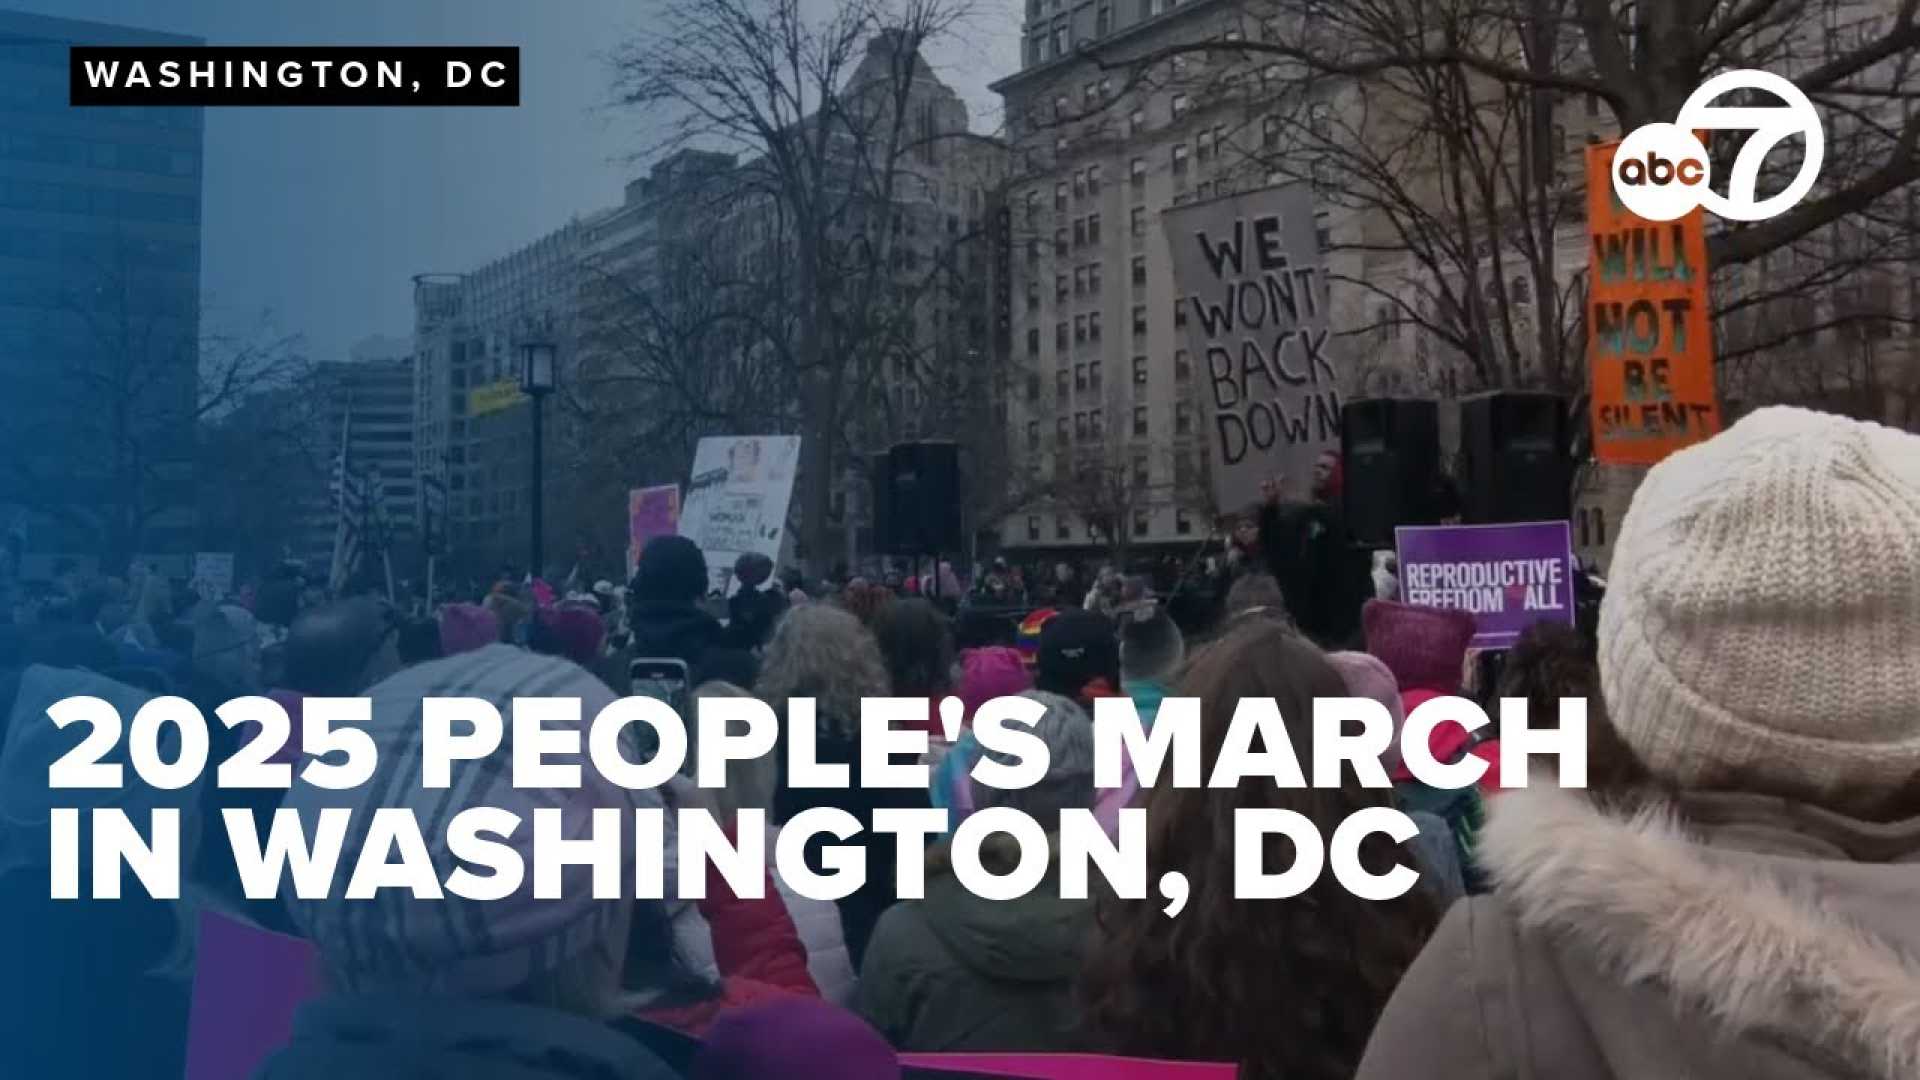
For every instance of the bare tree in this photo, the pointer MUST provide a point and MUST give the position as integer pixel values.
(831, 117)
(109, 444)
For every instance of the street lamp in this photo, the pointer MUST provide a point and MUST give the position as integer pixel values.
(538, 378)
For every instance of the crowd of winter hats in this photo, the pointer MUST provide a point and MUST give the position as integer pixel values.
(1745, 913)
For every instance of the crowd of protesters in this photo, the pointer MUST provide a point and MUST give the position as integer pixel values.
(1731, 897)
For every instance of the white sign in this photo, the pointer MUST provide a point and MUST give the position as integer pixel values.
(737, 499)
(1661, 171)
(213, 574)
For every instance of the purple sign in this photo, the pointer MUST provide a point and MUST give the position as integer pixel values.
(1508, 576)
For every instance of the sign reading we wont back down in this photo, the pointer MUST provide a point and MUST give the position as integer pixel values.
(1253, 293)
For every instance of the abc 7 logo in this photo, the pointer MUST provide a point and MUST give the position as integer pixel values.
(1661, 171)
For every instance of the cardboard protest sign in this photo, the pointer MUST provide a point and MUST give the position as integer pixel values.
(1508, 576)
(1253, 291)
(1649, 327)
(737, 499)
(651, 511)
(213, 573)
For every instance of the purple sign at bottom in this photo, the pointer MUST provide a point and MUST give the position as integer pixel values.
(1508, 576)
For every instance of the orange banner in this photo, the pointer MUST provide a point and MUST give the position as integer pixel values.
(1649, 327)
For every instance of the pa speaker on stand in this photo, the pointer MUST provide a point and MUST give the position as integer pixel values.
(1516, 464)
(1390, 450)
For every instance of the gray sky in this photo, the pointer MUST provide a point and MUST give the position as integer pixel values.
(315, 219)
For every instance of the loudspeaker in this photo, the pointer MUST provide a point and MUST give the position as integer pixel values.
(880, 476)
(922, 499)
(1515, 463)
(1390, 450)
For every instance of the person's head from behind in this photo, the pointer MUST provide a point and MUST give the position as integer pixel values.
(750, 783)
(466, 627)
(1151, 649)
(1551, 661)
(1067, 731)
(917, 644)
(752, 569)
(572, 630)
(343, 648)
(822, 652)
(671, 573)
(568, 953)
(1079, 655)
(1159, 988)
(867, 601)
(1257, 595)
(1757, 633)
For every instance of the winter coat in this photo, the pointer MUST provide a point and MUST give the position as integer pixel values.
(954, 972)
(1324, 577)
(677, 633)
(860, 909)
(410, 1038)
(751, 614)
(1762, 940)
(782, 939)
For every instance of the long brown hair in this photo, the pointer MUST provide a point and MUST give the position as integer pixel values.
(1289, 988)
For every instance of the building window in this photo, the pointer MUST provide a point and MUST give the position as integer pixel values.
(1033, 341)
(1140, 420)
(1093, 332)
(1103, 20)
(1061, 530)
(1033, 385)
(1139, 371)
(1033, 295)
(1033, 527)
(1140, 474)
(1058, 39)
(1203, 144)
(1093, 179)
(1033, 207)
(1079, 232)
(1323, 231)
(1060, 384)
(1060, 336)
(1060, 240)
(1033, 251)
(1179, 99)
(1093, 424)
(1182, 523)
(1060, 431)
(1093, 366)
(1079, 281)
(1136, 122)
(1182, 365)
(1033, 434)
(1060, 195)
(1079, 376)
(1079, 427)
(1270, 132)
(1179, 315)
(1093, 228)
(1059, 287)
(1079, 334)
(1182, 418)
(1179, 159)
(1139, 320)
(1137, 222)
(1093, 279)
(1140, 271)
(1139, 523)
(1137, 173)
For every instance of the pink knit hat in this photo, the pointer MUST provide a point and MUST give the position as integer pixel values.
(1369, 677)
(466, 627)
(1425, 648)
(575, 632)
(988, 673)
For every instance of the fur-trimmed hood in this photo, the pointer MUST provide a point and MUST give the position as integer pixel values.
(1760, 914)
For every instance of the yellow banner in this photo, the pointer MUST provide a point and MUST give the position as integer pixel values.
(493, 397)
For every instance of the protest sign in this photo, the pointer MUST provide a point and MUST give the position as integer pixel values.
(493, 397)
(651, 511)
(1649, 327)
(1253, 293)
(1508, 576)
(737, 499)
(213, 571)
(247, 984)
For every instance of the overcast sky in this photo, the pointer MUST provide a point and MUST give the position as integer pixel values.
(316, 219)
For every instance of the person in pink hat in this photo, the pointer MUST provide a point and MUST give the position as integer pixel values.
(1426, 650)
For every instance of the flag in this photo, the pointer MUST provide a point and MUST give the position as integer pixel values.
(349, 501)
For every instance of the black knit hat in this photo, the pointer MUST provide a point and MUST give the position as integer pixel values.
(1077, 646)
(672, 572)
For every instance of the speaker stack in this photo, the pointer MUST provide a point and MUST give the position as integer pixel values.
(916, 499)
(1390, 449)
(1516, 465)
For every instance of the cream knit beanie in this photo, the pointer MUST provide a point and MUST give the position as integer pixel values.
(1761, 627)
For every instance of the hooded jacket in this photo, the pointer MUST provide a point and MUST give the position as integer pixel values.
(405, 1038)
(1763, 940)
(955, 972)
